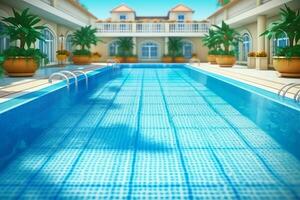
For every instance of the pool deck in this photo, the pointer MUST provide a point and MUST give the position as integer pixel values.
(14, 87)
(267, 79)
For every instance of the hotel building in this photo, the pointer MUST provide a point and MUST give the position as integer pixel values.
(150, 34)
(61, 17)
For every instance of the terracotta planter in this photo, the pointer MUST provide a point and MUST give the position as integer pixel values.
(132, 59)
(120, 59)
(96, 58)
(81, 60)
(179, 59)
(261, 63)
(61, 58)
(166, 59)
(225, 60)
(212, 59)
(20, 66)
(251, 62)
(287, 67)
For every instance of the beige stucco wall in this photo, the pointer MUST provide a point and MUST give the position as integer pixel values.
(199, 49)
(115, 16)
(174, 16)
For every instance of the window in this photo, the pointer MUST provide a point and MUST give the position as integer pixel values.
(281, 42)
(246, 46)
(123, 17)
(149, 50)
(4, 40)
(47, 46)
(69, 45)
(113, 49)
(187, 49)
(181, 18)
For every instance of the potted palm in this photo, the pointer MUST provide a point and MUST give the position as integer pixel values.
(132, 58)
(210, 42)
(166, 59)
(227, 38)
(251, 61)
(84, 38)
(125, 50)
(175, 49)
(96, 57)
(286, 60)
(62, 55)
(22, 59)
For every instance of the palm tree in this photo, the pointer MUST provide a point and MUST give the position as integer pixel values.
(85, 37)
(226, 37)
(125, 45)
(23, 27)
(175, 46)
(289, 25)
(210, 41)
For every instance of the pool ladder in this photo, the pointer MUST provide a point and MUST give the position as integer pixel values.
(64, 74)
(112, 62)
(284, 90)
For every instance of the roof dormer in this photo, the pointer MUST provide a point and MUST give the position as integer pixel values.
(122, 9)
(181, 13)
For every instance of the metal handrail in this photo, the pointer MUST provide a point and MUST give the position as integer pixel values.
(84, 74)
(60, 75)
(290, 87)
(113, 62)
(285, 86)
(72, 74)
(297, 96)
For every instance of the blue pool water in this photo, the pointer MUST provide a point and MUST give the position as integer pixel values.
(150, 132)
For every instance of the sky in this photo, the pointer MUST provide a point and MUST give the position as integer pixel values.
(102, 8)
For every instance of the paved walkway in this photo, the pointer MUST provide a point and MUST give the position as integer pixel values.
(13, 87)
(265, 79)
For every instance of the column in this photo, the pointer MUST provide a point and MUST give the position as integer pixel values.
(258, 2)
(225, 14)
(54, 3)
(261, 62)
(261, 27)
(166, 46)
(134, 46)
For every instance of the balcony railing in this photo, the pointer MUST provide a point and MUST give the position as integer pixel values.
(104, 27)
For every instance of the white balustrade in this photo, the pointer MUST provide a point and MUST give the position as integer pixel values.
(104, 27)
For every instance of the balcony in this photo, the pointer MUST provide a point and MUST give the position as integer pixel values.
(152, 29)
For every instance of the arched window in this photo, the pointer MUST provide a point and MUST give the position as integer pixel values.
(187, 49)
(113, 49)
(246, 45)
(69, 45)
(4, 40)
(280, 42)
(149, 50)
(47, 47)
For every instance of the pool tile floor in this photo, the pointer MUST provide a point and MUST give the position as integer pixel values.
(152, 134)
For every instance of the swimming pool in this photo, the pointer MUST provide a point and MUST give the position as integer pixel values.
(152, 132)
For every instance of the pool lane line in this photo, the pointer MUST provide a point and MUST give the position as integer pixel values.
(139, 115)
(55, 150)
(218, 162)
(253, 150)
(63, 140)
(185, 171)
(91, 136)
